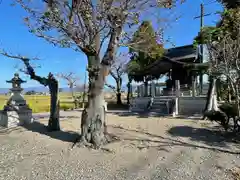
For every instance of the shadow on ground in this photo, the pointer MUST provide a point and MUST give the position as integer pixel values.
(155, 114)
(212, 137)
(43, 116)
(114, 107)
(140, 114)
(67, 136)
(212, 140)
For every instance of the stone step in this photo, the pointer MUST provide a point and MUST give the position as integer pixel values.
(163, 98)
(159, 104)
(159, 100)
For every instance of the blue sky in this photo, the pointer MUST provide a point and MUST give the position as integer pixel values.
(15, 38)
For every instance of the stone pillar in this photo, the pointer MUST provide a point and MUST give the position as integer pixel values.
(153, 89)
(142, 90)
(156, 90)
(194, 86)
(177, 92)
(138, 91)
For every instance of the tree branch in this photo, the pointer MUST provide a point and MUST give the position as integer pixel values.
(69, 77)
(111, 87)
(29, 69)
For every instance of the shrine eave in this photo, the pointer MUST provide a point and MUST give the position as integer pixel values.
(179, 56)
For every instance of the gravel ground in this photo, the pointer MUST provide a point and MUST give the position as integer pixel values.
(153, 148)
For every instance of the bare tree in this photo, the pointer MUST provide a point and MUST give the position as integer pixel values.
(71, 79)
(225, 64)
(86, 26)
(129, 90)
(117, 71)
(50, 81)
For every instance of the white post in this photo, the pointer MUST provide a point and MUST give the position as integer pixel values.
(177, 88)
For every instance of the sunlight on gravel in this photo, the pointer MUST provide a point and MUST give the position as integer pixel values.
(149, 148)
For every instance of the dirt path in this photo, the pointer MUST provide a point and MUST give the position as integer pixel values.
(150, 148)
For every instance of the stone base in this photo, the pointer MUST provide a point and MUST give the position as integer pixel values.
(15, 118)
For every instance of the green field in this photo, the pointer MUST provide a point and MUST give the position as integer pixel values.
(41, 103)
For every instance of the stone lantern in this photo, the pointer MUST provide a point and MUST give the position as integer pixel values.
(16, 111)
(16, 100)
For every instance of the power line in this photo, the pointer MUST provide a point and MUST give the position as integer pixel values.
(202, 15)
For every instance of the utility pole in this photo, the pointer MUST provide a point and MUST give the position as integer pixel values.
(202, 15)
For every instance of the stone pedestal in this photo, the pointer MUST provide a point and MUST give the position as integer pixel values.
(15, 115)
(10, 119)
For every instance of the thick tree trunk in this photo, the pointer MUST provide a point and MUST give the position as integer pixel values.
(212, 100)
(209, 93)
(119, 99)
(53, 123)
(211, 104)
(93, 118)
(93, 123)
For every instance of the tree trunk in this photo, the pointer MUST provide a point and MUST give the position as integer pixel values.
(93, 125)
(209, 93)
(53, 123)
(52, 83)
(229, 94)
(118, 93)
(212, 99)
(119, 99)
(72, 92)
(218, 89)
(236, 126)
(73, 97)
(128, 92)
(211, 104)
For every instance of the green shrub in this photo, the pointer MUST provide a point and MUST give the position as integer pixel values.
(66, 107)
(229, 109)
(219, 117)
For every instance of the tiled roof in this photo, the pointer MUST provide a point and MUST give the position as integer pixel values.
(173, 56)
(183, 52)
